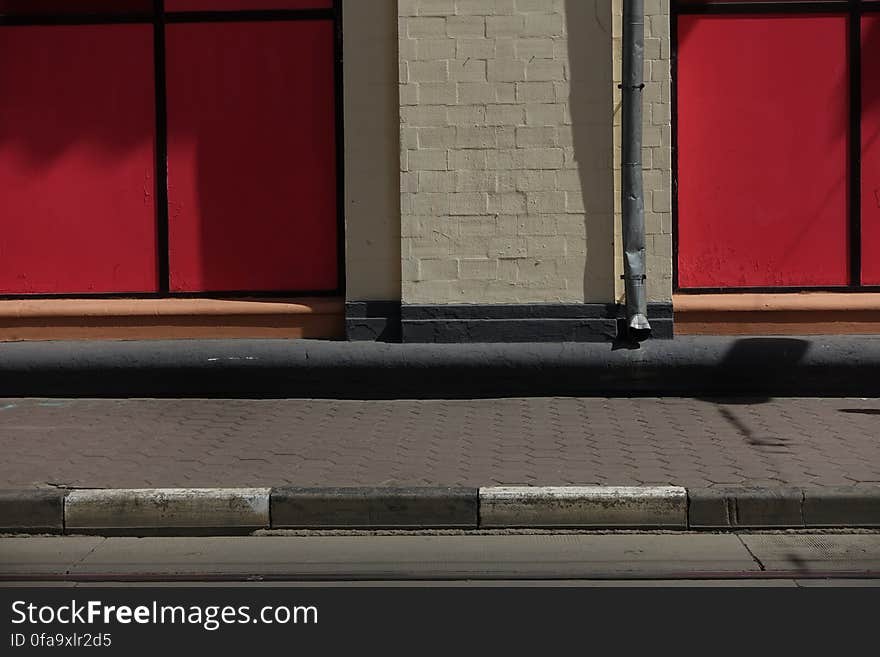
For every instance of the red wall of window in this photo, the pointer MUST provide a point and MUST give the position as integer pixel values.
(763, 136)
(251, 152)
(77, 159)
(251, 156)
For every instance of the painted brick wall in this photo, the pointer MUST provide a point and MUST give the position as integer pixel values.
(508, 151)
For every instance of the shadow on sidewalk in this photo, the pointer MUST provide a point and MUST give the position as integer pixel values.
(776, 355)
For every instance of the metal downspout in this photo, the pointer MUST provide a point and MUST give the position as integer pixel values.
(635, 270)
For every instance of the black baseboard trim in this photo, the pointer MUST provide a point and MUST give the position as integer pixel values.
(583, 322)
(372, 321)
(509, 330)
(389, 321)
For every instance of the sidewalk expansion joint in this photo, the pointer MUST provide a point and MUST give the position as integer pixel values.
(751, 553)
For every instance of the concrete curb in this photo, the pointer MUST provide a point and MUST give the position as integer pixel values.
(784, 508)
(193, 512)
(387, 508)
(600, 507)
(754, 508)
(166, 511)
(32, 511)
(687, 366)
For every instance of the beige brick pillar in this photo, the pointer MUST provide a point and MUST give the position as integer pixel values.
(372, 147)
(507, 182)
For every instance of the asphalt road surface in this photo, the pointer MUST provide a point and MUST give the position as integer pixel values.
(480, 558)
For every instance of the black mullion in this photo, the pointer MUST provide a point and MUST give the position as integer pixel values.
(339, 107)
(855, 136)
(162, 243)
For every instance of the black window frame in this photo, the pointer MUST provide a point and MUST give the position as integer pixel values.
(159, 19)
(854, 10)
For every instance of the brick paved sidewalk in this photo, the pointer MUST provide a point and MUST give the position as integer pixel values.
(203, 443)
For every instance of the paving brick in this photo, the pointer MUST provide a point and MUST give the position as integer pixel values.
(248, 443)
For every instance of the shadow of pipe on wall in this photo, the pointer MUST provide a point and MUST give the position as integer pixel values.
(591, 107)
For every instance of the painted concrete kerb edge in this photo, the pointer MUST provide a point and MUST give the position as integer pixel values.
(587, 506)
(229, 511)
(158, 510)
(388, 508)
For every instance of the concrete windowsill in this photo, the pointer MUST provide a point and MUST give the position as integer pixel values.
(796, 313)
(139, 319)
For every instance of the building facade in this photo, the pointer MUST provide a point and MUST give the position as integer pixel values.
(432, 170)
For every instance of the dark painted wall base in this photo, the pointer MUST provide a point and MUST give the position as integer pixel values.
(372, 321)
(589, 322)
(388, 321)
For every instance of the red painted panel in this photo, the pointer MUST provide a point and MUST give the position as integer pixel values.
(234, 5)
(77, 159)
(251, 165)
(871, 149)
(35, 7)
(762, 163)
